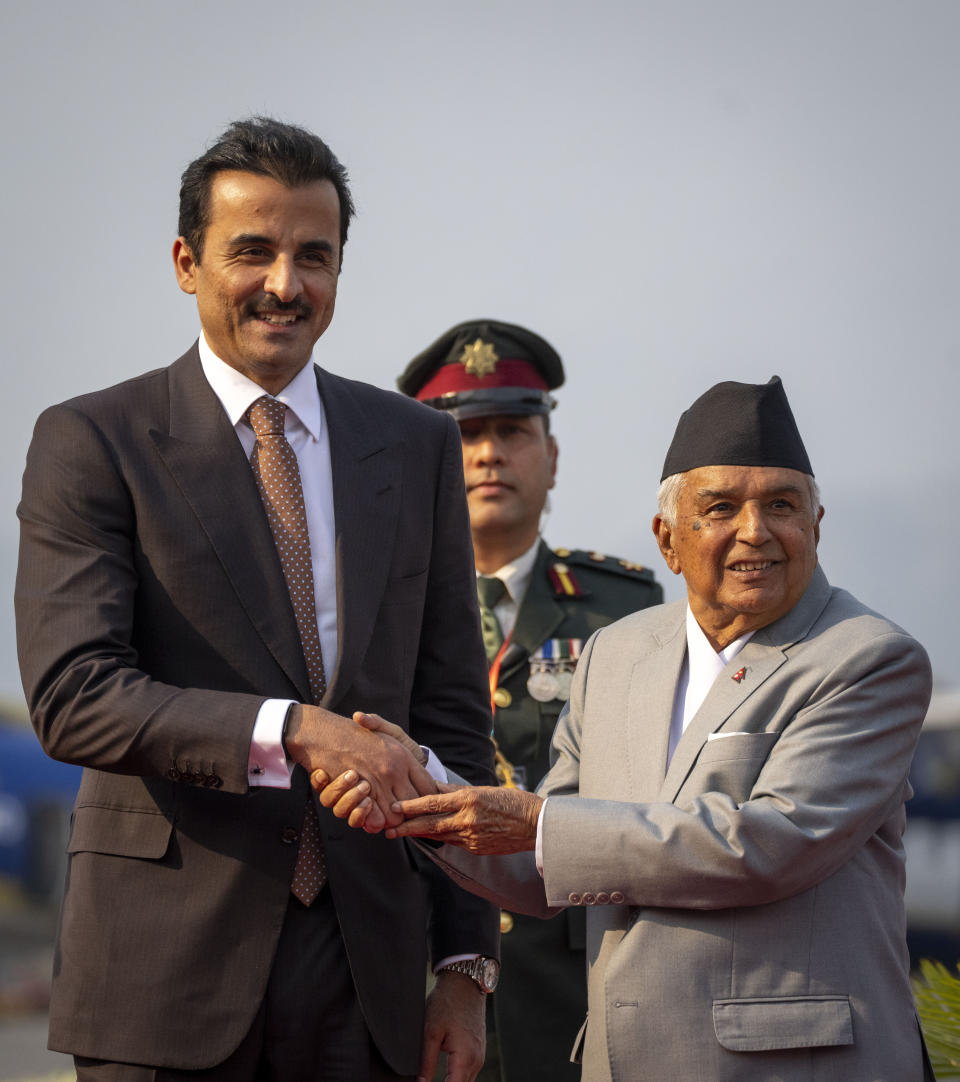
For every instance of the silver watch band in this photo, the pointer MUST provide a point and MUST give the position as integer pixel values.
(483, 971)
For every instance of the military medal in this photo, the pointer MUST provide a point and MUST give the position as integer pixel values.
(542, 685)
(568, 653)
(564, 680)
(551, 669)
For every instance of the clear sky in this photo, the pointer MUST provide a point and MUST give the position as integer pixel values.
(671, 192)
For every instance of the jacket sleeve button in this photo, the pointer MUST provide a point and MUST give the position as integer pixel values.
(616, 896)
(603, 898)
(573, 898)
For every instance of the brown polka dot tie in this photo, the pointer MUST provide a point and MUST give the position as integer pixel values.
(275, 467)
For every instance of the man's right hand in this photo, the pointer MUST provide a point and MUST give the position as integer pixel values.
(319, 739)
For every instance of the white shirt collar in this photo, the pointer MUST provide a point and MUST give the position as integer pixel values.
(237, 392)
(516, 574)
(705, 662)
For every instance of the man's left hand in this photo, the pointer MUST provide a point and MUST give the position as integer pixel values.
(482, 819)
(456, 1024)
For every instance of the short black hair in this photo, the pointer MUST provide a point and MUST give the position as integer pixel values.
(291, 155)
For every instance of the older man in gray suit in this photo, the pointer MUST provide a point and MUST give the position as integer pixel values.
(727, 792)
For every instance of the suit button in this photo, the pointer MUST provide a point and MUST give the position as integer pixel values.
(589, 898)
(288, 836)
(603, 898)
(616, 896)
(573, 899)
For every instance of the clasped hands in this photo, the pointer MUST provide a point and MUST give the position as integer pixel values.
(375, 779)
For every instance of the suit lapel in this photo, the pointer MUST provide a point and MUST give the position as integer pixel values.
(538, 615)
(760, 659)
(653, 684)
(366, 501)
(202, 452)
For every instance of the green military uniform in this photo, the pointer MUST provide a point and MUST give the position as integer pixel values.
(541, 1000)
(485, 368)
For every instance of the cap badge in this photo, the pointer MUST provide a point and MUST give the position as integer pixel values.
(480, 359)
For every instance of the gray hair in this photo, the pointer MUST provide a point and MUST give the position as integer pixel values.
(668, 496)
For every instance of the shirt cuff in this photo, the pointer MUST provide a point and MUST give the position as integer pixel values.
(438, 772)
(268, 765)
(539, 850)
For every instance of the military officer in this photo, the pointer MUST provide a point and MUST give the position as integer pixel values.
(538, 606)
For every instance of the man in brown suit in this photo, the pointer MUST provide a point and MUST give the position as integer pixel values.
(165, 645)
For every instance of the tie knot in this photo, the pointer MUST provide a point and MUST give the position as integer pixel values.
(266, 417)
(490, 590)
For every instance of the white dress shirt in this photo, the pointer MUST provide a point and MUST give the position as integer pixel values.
(308, 435)
(701, 668)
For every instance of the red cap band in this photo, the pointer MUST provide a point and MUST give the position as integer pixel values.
(451, 378)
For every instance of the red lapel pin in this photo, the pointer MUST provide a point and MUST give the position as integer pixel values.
(739, 675)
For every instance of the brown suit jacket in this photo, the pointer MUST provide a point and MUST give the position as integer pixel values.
(153, 620)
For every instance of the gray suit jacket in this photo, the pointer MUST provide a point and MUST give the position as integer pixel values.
(153, 621)
(745, 914)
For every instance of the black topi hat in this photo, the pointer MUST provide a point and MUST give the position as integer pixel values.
(485, 367)
(738, 424)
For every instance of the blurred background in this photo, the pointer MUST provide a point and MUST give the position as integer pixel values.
(673, 192)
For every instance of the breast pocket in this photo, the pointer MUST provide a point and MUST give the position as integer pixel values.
(730, 764)
(405, 588)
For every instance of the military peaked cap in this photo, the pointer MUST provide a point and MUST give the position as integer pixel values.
(485, 367)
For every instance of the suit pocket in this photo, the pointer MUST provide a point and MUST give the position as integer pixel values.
(729, 765)
(737, 746)
(764, 1025)
(406, 588)
(119, 833)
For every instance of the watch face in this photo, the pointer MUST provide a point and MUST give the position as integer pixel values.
(490, 973)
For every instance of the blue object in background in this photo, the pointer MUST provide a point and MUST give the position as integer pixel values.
(36, 798)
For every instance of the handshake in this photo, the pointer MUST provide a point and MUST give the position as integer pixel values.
(373, 774)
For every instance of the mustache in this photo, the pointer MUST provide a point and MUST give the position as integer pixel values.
(269, 303)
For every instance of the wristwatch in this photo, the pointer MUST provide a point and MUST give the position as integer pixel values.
(485, 972)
